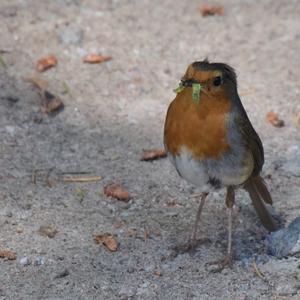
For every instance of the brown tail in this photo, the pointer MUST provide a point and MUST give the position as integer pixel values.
(259, 194)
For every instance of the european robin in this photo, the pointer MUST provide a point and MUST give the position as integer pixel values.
(212, 144)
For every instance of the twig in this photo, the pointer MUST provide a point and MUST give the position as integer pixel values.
(146, 235)
(33, 176)
(196, 195)
(258, 272)
(82, 179)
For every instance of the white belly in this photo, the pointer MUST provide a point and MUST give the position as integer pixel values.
(230, 170)
(191, 170)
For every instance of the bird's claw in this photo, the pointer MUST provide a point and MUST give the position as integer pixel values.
(226, 261)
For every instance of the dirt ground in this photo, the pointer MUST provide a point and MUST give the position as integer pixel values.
(115, 109)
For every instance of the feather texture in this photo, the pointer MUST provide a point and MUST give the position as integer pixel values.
(259, 194)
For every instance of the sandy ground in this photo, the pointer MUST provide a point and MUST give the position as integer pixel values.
(113, 111)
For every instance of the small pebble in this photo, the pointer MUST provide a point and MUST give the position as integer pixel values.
(48, 230)
(262, 258)
(26, 206)
(292, 163)
(145, 285)
(9, 214)
(145, 291)
(127, 291)
(25, 261)
(149, 268)
(19, 229)
(39, 260)
(62, 274)
(11, 130)
(281, 243)
(286, 289)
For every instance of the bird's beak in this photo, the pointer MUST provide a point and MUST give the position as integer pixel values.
(196, 88)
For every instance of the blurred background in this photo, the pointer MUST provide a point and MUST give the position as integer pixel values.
(84, 89)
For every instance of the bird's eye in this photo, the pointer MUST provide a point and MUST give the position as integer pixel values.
(217, 81)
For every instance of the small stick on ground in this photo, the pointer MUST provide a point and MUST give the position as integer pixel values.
(33, 176)
(258, 272)
(146, 235)
(82, 179)
(196, 195)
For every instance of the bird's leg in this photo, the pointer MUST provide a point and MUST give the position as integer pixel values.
(230, 198)
(193, 242)
(227, 259)
(193, 239)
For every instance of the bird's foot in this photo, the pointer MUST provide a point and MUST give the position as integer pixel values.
(226, 261)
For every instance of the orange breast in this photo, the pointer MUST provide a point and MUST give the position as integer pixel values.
(201, 128)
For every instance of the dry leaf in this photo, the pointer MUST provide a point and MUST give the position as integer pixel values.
(273, 118)
(116, 191)
(46, 63)
(50, 104)
(48, 230)
(210, 10)
(7, 254)
(149, 155)
(96, 58)
(108, 240)
(157, 273)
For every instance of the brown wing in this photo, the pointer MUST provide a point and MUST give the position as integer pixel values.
(255, 185)
(252, 141)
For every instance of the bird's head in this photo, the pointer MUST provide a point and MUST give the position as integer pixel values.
(214, 80)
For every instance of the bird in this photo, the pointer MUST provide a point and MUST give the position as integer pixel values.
(210, 140)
